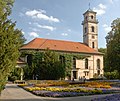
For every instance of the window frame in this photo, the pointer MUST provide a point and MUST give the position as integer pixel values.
(92, 29)
(74, 62)
(93, 44)
(98, 64)
(86, 63)
(92, 16)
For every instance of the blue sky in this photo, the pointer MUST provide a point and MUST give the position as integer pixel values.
(61, 19)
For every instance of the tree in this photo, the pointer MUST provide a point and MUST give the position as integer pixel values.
(45, 65)
(104, 51)
(5, 6)
(115, 30)
(15, 74)
(113, 47)
(50, 67)
(11, 40)
(111, 75)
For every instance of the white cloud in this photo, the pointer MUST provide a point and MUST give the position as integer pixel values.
(51, 28)
(47, 27)
(105, 25)
(29, 23)
(34, 34)
(34, 29)
(41, 14)
(69, 30)
(64, 34)
(102, 6)
(100, 9)
(112, 1)
(48, 33)
(106, 28)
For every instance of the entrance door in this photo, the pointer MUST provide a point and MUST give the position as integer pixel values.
(98, 72)
(75, 74)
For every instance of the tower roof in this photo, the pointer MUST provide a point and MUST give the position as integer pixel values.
(89, 11)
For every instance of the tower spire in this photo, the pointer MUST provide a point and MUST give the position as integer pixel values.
(89, 6)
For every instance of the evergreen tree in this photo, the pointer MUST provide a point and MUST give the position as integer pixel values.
(45, 65)
(5, 6)
(50, 68)
(11, 40)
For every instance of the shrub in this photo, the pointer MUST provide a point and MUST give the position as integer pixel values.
(111, 75)
(96, 91)
(13, 78)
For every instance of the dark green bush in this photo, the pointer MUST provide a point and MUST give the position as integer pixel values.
(112, 75)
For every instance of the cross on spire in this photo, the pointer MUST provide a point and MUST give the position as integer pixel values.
(89, 5)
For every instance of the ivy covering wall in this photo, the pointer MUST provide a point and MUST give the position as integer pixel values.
(47, 64)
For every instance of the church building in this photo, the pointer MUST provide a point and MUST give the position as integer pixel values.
(87, 67)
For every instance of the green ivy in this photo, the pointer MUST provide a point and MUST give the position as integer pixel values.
(68, 58)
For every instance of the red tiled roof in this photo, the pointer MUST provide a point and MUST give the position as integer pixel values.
(58, 45)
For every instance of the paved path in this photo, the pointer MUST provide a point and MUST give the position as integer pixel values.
(14, 93)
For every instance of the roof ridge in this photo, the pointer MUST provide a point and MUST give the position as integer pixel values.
(61, 45)
(60, 40)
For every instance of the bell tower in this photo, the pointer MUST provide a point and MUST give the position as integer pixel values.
(90, 29)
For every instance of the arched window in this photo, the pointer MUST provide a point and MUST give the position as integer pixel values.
(74, 62)
(62, 59)
(86, 63)
(92, 29)
(85, 30)
(86, 17)
(98, 63)
(93, 37)
(91, 16)
(98, 66)
(93, 45)
(29, 60)
(98, 72)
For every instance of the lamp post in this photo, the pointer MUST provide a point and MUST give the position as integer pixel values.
(21, 74)
(36, 77)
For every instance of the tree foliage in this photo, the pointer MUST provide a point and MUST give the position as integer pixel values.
(52, 69)
(5, 6)
(11, 40)
(111, 75)
(104, 51)
(113, 47)
(45, 65)
(15, 74)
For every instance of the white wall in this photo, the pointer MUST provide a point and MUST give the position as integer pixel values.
(92, 66)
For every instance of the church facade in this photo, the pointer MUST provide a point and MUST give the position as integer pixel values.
(87, 67)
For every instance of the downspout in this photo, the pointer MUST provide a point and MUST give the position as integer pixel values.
(93, 65)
